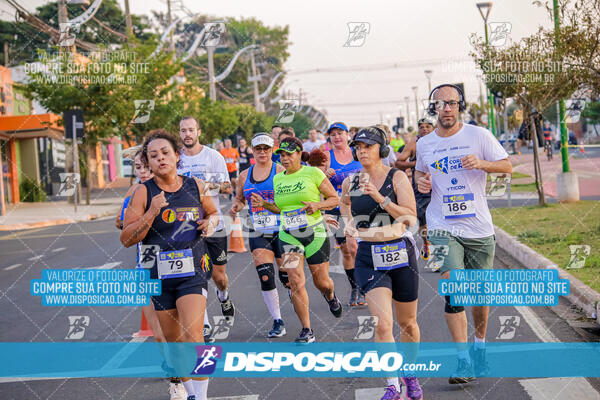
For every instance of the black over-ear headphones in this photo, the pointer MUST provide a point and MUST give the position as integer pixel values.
(462, 104)
(384, 150)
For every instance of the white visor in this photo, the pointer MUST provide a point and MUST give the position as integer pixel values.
(262, 139)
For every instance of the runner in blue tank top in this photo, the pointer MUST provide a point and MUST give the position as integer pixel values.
(263, 225)
(342, 165)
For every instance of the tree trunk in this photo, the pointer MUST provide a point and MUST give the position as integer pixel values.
(539, 184)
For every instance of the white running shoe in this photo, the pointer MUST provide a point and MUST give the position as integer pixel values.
(177, 391)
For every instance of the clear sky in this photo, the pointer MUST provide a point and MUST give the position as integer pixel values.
(416, 35)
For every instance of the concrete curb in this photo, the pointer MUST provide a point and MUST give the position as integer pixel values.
(55, 222)
(580, 294)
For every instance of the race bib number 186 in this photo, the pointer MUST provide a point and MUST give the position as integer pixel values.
(458, 206)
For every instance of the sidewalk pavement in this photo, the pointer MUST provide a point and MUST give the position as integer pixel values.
(35, 215)
(587, 169)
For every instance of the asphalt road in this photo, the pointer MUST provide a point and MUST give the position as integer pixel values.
(94, 244)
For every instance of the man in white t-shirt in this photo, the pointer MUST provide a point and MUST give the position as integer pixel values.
(209, 165)
(452, 163)
(313, 141)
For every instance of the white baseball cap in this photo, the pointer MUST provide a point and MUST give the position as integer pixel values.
(262, 139)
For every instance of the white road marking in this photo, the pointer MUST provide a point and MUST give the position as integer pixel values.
(12, 267)
(35, 257)
(368, 394)
(245, 397)
(537, 325)
(59, 249)
(563, 388)
(110, 265)
(123, 354)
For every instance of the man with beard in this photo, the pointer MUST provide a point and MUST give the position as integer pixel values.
(208, 165)
(452, 163)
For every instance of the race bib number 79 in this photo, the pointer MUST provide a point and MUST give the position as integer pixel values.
(175, 264)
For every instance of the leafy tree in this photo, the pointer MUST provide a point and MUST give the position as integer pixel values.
(107, 27)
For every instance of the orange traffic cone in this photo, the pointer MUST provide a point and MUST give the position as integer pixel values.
(581, 149)
(145, 330)
(236, 239)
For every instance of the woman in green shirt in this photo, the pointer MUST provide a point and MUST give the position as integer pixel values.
(302, 233)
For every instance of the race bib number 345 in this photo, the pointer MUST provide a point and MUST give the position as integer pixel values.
(175, 264)
(458, 206)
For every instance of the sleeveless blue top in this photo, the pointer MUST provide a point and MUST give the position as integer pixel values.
(263, 188)
(342, 171)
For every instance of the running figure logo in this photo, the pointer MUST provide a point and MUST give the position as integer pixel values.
(574, 108)
(207, 359)
(579, 253)
(499, 32)
(213, 32)
(508, 327)
(77, 325)
(291, 256)
(287, 110)
(498, 184)
(438, 254)
(68, 181)
(142, 111)
(222, 327)
(357, 34)
(148, 254)
(68, 31)
(366, 327)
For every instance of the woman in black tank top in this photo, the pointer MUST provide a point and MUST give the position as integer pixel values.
(380, 204)
(167, 215)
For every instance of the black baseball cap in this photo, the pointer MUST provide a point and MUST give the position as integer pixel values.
(369, 136)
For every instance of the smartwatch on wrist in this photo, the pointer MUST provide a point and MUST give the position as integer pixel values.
(386, 201)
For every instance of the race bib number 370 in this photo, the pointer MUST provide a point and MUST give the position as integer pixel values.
(175, 264)
(458, 206)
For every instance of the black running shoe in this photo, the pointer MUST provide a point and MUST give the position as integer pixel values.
(306, 336)
(335, 306)
(464, 373)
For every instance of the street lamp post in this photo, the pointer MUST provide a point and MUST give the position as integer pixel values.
(406, 100)
(486, 7)
(415, 88)
(428, 74)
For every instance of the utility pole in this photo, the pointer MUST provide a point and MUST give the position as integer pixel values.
(428, 74)
(491, 119)
(415, 88)
(6, 54)
(406, 100)
(212, 89)
(128, 24)
(255, 77)
(564, 150)
(172, 45)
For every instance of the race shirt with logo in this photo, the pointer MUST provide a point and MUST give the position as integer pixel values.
(291, 190)
(208, 165)
(231, 156)
(458, 200)
(262, 220)
(174, 231)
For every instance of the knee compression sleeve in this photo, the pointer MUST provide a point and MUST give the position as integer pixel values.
(283, 277)
(450, 309)
(266, 274)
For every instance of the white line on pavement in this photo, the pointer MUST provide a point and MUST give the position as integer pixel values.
(563, 388)
(107, 265)
(246, 397)
(35, 257)
(537, 325)
(12, 267)
(59, 249)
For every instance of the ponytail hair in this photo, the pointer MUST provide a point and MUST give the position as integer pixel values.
(305, 156)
